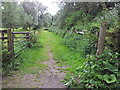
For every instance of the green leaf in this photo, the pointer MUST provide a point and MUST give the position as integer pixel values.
(118, 74)
(110, 79)
(110, 67)
(100, 77)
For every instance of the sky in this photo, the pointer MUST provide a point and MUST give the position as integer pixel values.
(52, 6)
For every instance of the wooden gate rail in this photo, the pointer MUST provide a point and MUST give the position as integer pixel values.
(17, 42)
(24, 45)
(10, 37)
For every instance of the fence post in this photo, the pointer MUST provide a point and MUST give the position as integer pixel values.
(10, 42)
(28, 38)
(101, 40)
(2, 38)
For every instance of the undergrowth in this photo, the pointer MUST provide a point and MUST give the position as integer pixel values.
(97, 72)
(85, 70)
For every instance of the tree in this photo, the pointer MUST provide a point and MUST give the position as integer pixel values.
(8, 14)
(47, 18)
(23, 14)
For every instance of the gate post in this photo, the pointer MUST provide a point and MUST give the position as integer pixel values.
(101, 40)
(10, 42)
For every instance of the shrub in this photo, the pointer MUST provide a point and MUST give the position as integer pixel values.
(34, 41)
(7, 62)
(81, 43)
(99, 72)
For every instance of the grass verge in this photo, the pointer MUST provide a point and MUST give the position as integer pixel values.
(31, 58)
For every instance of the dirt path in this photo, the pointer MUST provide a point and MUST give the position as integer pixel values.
(49, 78)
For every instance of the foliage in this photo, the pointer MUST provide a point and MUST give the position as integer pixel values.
(99, 72)
(46, 20)
(72, 19)
(34, 39)
(8, 63)
(58, 31)
(8, 14)
(22, 14)
(82, 43)
(86, 70)
(28, 60)
(109, 16)
(11, 64)
(71, 12)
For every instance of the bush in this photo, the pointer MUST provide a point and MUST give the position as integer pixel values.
(34, 41)
(8, 63)
(81, 43)
(99, 72)
(58, 31)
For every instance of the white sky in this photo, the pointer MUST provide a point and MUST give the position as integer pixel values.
(52, 6)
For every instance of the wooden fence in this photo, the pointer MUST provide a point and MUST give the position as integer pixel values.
(15, 41)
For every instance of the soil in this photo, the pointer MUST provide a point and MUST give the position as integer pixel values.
(49, 78)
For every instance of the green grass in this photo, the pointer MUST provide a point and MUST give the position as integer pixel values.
(3, 28)
(32, 60)
(61, 53)
(33, 57)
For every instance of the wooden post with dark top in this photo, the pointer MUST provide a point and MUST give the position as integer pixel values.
(10, 42)
(101, 40)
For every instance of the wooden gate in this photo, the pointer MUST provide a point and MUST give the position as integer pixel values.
(14, 42)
